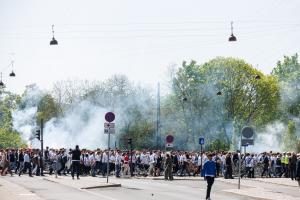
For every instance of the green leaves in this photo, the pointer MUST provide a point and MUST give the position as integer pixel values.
(218, 91)
(290, 138)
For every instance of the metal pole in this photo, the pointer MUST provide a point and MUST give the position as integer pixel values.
(201, 156)
(108, 146)
(240, 163)
(158, 117)
(131, 164)
(42, 147)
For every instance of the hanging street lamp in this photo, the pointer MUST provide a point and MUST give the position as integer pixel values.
(53, 41)
(12, 73)
(232, 38)
(2, 85)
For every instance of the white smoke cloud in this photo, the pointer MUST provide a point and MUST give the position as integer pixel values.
(270, 139)
(83, 125)
(24, 119)
(24, 122)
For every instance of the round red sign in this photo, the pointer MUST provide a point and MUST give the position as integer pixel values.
(170, 138)
(110, 117)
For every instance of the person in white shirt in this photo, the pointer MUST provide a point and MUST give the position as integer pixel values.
(249, 163)
(104, 163)
(27, 164)
(118, 163)
(152, 162)
(111, 162)
(93, 163)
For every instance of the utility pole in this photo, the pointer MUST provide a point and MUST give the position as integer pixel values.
(42, 147)
(158, 117)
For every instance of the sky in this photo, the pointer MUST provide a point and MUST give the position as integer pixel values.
(138, 38)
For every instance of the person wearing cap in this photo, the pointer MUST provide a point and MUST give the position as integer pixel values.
(209, 174)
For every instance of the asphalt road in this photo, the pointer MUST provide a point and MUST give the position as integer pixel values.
(134, 189)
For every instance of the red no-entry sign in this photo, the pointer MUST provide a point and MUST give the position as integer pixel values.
(110, 117)
(170, 139)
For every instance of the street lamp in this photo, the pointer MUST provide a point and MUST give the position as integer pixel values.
(12, 73)
(53, 41)
(232, 38)
(257, 77)
(2, 85)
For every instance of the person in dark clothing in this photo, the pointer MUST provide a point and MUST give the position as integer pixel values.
(158, 165)
(175, 162)
(292, 166)
(209, 174)
(20, 161)
(228, 163)
(298, 169)
(265, 160)
(76, 161)
(168, 168)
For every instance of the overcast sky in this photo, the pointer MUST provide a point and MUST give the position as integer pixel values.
(138, 38)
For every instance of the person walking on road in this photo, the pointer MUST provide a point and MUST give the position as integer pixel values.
(27, 164)
(168, 167)
(76, 161)
(209, 174)
(298, 169)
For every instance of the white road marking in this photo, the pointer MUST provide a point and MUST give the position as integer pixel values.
(28, 194)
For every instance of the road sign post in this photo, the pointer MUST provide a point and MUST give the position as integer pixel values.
(246, 139)
(169, 141)
(109, 117)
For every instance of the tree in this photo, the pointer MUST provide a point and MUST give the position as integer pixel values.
(287, 68)
(10, 139)
(290, 138)
(222, 91)
(288, 74)
(47, 108)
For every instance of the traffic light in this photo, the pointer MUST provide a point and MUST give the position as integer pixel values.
(38, 134)
(129, 141)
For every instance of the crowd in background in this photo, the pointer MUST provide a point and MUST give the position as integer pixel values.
(123, 163)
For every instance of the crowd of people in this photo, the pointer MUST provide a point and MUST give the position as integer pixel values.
(63, 162)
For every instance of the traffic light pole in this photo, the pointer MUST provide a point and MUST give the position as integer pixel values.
(108, 146)
(42, 147)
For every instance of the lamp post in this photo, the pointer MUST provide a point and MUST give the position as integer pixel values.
(158, 118)
(12, 74)
(53, 41)
(232, 38)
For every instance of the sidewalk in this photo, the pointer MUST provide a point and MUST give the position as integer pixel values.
(251, 182)
(280, 181)
(84, 182)
(11, 191)
(261, 193)
(251, 188)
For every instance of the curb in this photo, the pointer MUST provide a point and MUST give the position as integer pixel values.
(102, 186)
(105, 185)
